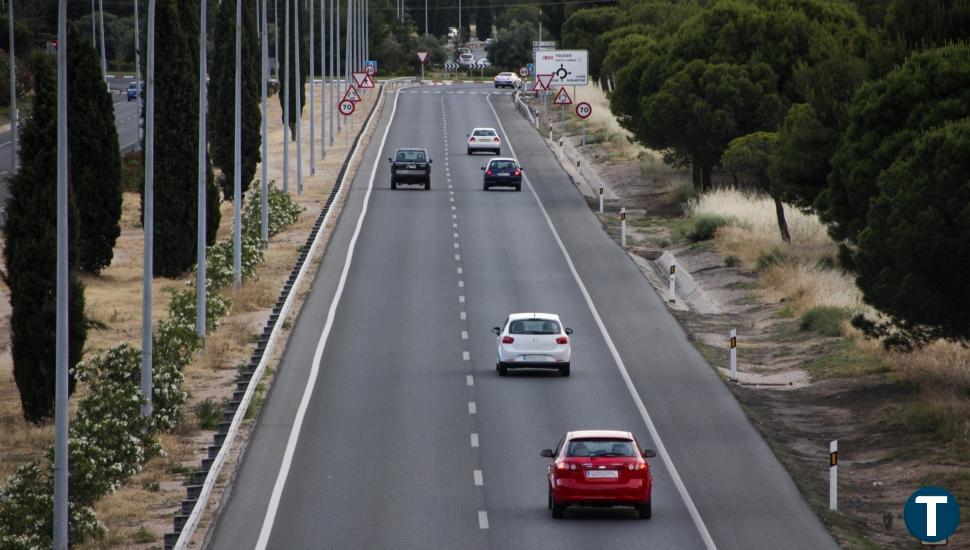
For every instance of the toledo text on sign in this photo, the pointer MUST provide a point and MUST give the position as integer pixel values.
(567, 67)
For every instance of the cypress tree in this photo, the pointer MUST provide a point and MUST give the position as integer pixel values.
(31, 255)
(295, 106)
(222, 90)
(176, 141)
(95, 158)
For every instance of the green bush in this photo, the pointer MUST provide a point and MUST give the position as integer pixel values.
(182, 307)
(825, 320)
(683, 193)
(706, 225)
(772, 257)
(208, 413)
(732, 261)
(282, 210)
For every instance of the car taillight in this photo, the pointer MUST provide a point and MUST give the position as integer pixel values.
(563, 466)
(488, 172)
(496, 140)
(518, 172)
(562, 340)
(471, 140)
(636, 466)
(507, 339)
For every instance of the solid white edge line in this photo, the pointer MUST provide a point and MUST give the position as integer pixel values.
(661, 448)
(270, 518)
(188, 530)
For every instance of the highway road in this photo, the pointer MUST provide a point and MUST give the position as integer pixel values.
(387, 425)
(126, 114)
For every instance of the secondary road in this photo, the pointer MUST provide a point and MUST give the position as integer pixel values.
(126, 113)
(411, 440)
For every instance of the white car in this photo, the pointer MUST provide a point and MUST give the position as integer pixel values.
(484, 139)
(466, 59)
(533, 341)
(507, 80)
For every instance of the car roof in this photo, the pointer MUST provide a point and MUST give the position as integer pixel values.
(484, 128)
(411, 149)
(585, 434)
(493, 159)
(517, 316)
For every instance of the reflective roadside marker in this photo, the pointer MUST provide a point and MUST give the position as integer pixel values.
(623, 227)
(734, 355)
(833, 474)
(671, 295)
(601, 199)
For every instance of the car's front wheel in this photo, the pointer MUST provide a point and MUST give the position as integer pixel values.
(645, 510)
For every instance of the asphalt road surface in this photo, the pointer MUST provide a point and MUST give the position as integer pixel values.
(126, 114)
(409, 439)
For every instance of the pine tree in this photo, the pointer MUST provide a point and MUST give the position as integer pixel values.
(31, 255)
(304, 58)
(176, 140)
(222, 90)
(95, 158)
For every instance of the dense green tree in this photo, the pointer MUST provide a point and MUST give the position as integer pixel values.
(701, 108)
(513, 46)
(483, 20)
(885, 118)
(584, 29)
(176, 140)
(751, 155)
(296, 105)
(30, 253)
(928, 23)
(95, 157)
(911, 261)
(801, 156)
(222, 96)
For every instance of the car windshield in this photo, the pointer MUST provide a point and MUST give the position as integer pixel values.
(534, 326)
(600, 447)
(483, 133)
(502, 165)
(410, 156)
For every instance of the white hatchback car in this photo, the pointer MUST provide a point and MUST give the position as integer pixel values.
(507, 80)
(484, 139)
(533, 341)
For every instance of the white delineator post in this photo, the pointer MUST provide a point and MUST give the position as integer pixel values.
(623, 227)
(833, 474)
(671, 295)
(601, 199)
(734, 355)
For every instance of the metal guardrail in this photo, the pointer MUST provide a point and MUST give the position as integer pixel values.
(202, 481)
(524, 109)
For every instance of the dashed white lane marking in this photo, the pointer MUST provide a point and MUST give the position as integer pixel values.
(464, 336)
(454, 216)
(461, 299)
(453, 207)
(472, 408)
(469, 380)
(461, 284)
(479, 480)
(454, 225)
(474, 440)
(459, 271)
(456, 245)
(482, 519)
(456, 235)
(465, 356)
(450, 199)
(457, 257)
(463, 315)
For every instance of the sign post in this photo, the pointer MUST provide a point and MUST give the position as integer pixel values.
(423, 58)
(583, 110)
(562, 99)
(833, 475)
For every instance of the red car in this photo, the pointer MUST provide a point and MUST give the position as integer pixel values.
(599, 468)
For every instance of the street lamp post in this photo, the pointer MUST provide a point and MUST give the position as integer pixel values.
(313, 168)
(237, 158)
(200, 274)
(14, 120)
(298, 96)
(264, 192)
(285, 83)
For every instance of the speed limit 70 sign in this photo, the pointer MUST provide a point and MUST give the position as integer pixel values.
(346, 107)
(583, 110)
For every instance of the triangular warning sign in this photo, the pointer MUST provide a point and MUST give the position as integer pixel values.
(368, 82)
(359, 77)
(352, 94)
(542, 81)
(562, 98)
(422, 56)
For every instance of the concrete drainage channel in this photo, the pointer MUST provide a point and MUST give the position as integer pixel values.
(202, 481)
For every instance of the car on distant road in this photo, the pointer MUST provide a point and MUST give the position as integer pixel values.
(484, 139)
(502, 172)
(599, 468)
(533, 341)
(134, 89)
(410, 166)
(466, 59)
(507, 80)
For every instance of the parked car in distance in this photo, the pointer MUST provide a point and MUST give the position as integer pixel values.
(484, 139)
(134, 89)
(502, 172)
(533, 341)
(507, 80)
(601, 468)
(410, 166)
